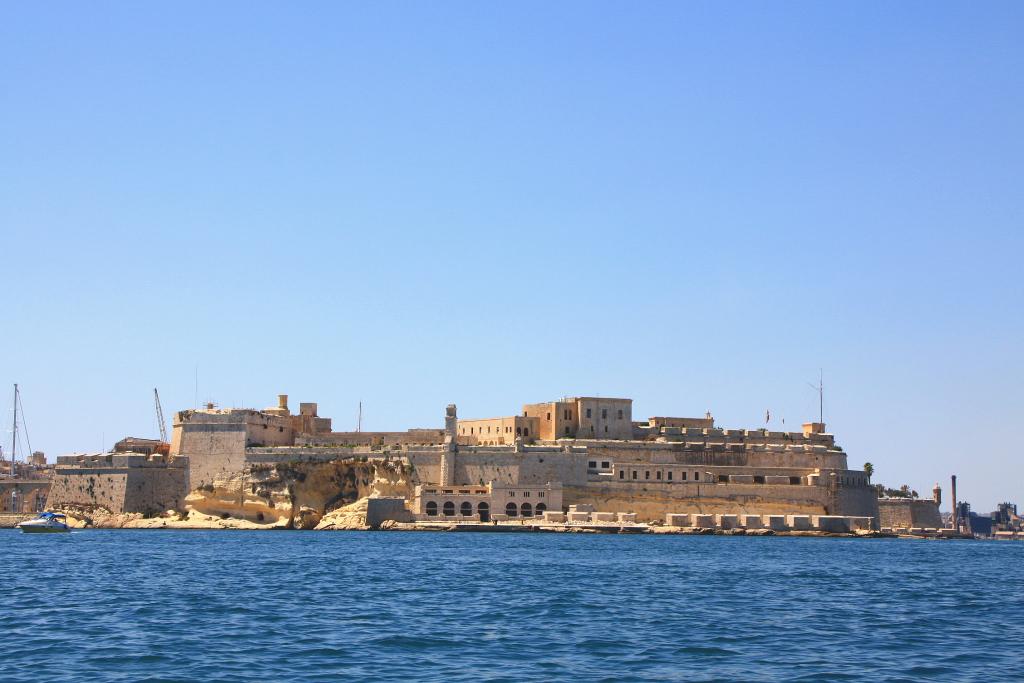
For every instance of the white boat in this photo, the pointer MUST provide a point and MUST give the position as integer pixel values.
(46, 523)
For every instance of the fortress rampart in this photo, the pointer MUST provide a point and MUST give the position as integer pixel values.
(119, 482)
(670, 465)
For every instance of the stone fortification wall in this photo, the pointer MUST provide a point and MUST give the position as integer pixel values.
(653, 501)
(480, 465)
(907, 513)
(149, 489)
(215, 440)
(412, 437)
(856, 501)
(712, 453)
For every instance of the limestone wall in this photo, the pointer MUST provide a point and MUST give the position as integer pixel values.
(147, 490)
(89, 487)
(152, 491)
(715, 454)
(481, 465)
(653, 502)
(908, 513)
(412, 437)
(214, 451)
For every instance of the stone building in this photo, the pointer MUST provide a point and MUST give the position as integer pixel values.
(583, 418)
(589, 450)
(27, 490)
(498, 431)
(492, 501)
(23, 495)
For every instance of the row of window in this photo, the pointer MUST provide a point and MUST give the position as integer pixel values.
(722, 478)
(525, 510)
(604, 414)
(520, 431)
(526, 494)
(604, 464)
(647, 475)
(483, 509)
(567, 414)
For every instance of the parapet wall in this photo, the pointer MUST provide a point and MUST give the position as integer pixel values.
(652, 501)
(412, 437)
(720, 454)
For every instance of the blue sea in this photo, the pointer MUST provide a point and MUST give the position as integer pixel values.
(333, 606)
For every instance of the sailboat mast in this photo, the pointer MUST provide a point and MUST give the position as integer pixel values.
(14, 432)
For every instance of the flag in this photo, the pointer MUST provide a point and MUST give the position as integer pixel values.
(767, 416)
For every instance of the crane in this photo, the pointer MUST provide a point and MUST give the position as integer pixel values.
(160, 416)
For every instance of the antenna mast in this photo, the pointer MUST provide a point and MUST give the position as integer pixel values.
(359, 422)
(160, 415)
(14, 432)
(820, 388)
(821, 396)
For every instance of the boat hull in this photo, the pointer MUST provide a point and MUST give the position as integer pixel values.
(39, 529)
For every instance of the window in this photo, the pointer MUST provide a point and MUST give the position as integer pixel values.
(549, 417)
(519, 431)
(605, 465)
(622, 474)
(449, 509)
(592, 464)
(588, 413)
(620, 414)
(606, 429)
(511, 510)
(658, 474)
(696, 476)
(526, 494)
(541, 507)
(567, 430)
(526, 431)
(526, 510)
(604, 413)
(466, 509)
(511, 494)
(647, 474)
(683, 476)
(432, 508)
(540, 494)
(670, 475)
(634, 474)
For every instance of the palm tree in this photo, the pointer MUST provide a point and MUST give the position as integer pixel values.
(869, 469)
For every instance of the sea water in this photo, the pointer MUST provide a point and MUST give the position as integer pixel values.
(332, 606)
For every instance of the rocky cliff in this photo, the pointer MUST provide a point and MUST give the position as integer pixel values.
(283, 495)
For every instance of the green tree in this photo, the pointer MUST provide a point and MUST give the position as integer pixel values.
(869, 469)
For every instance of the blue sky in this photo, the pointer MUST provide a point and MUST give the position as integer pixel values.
(696, 205)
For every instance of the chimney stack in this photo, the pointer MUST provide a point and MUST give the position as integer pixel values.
(956, 510)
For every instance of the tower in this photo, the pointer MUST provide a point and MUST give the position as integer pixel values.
(451, 446)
